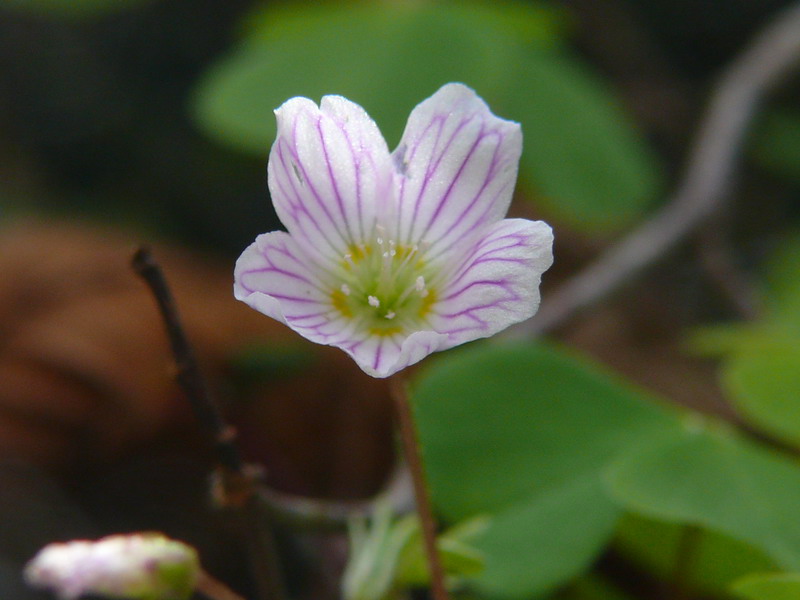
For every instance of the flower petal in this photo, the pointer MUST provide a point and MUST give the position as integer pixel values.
(457, 167)
(273, 276)
(382, 356)
(497, 284)
(329, 172)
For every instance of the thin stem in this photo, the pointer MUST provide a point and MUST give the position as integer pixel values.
(214, 589)
(334, 515)
(410, 443)
(684, 561)
(238, 483)
(189, 376)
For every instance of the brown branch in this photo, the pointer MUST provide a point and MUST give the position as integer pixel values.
(189, 376)
(707, 181)
(237, 482)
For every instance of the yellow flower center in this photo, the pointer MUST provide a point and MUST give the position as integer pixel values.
(385, 285)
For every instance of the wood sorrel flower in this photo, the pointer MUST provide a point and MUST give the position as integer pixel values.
(143, 566)
(391, 257)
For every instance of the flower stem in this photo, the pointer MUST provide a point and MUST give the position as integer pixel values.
(410, 443)
(686, 554)
(214, 589)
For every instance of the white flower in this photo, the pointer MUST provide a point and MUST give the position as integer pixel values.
(119, 566)
(393, 256)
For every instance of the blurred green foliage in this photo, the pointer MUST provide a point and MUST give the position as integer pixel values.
(712, 477)
(554, 451)
(760, 368)
(583, 160)
(770, 586)
(715, 560)
(387, 554)
(522, 434)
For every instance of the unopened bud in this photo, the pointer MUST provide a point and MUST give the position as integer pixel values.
(138, 566)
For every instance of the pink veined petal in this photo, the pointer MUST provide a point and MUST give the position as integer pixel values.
(497, 284)
(274, 277)
(329, 172)
(382, 356)
(457, 166)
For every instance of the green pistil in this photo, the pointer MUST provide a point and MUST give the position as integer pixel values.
(384, 284)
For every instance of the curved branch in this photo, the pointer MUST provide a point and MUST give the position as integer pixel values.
(768, 59)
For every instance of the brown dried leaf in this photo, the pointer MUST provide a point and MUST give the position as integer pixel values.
(87, 374)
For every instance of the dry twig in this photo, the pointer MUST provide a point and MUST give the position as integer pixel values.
(238, 482)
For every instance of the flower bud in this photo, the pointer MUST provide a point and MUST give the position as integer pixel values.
(146, 566)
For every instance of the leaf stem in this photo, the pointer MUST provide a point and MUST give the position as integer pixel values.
(685, 556)
(410, 443)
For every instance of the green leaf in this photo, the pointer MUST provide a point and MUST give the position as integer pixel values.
(387, 554)
(521, 433)
(716, 559)
(768, 586)
(715, 479)
(386, 57)
(586, 161)
(591, 587)
(459, 556)
(760, 369)
(535, 545)
(583, 155)
(764, 384)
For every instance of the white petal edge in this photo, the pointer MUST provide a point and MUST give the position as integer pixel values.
(329, 172)
(497, 283)
(274, 277)
(457, 166)
(384, 356)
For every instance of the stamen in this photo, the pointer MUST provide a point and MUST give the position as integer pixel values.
(345, 289)
(373, 301)
(420, 284)
(390, 315)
